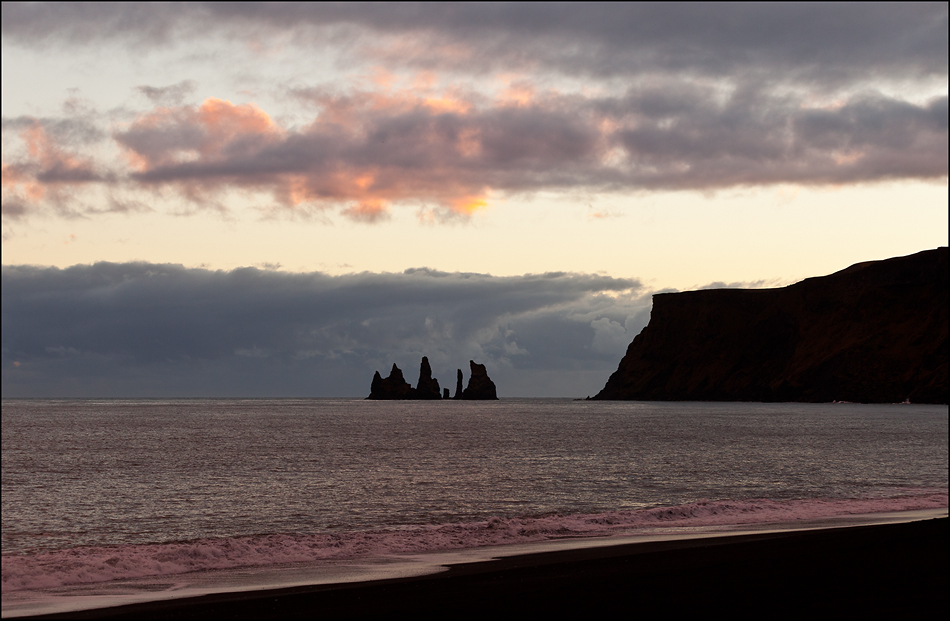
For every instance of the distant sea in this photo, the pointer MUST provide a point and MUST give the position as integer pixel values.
(105, 492)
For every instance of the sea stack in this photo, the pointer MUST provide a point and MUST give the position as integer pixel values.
(875, 332)
(458, 386)
(393, 387)
(480, 387)
(427, 387)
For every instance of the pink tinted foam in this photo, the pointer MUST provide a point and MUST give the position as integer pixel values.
(100, 564)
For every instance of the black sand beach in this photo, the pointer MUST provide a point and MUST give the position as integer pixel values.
(870, 572)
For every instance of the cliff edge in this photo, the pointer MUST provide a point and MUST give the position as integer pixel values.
(875, 332)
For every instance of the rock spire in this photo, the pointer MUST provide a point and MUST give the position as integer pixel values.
(395, 387)
(480, 387)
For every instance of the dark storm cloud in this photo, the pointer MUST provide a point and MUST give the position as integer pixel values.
(129, 328)
(805, 42)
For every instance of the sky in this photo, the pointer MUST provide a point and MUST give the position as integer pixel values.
(270, 200)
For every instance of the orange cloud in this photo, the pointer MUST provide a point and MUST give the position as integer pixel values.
(225, 121)
(446, 151)
(172, 135)
(218, 142)
(350, 111)
(468, 204)
(448, 104)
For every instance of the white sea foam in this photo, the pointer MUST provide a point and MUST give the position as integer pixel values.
(87, 565)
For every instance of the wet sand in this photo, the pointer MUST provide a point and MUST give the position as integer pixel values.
(869, 572)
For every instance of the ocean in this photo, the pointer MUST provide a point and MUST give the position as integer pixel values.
(107, 501)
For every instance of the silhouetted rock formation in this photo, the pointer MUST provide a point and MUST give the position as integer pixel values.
(445, 393)
(458, 386)
(427, 387)
(393, 387)
(875, 332)
(480, 386)
(396, 387)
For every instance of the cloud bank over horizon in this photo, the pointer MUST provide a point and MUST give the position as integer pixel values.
(141, 329)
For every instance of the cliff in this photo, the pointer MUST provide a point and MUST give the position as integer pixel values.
(875, 332)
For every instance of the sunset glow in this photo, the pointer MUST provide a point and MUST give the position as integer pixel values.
(439, 310)
(664, 150)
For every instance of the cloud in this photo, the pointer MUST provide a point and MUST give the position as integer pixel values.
(828, 44)
(690, 141)
(215, 130)
(15, 209)
(79, 129)
(368, 150)
(755, 284)
(147, 329)
(364, 151)
(168, 95)
(674, 98)
(610, 337)
(82, 24)
(47, 170)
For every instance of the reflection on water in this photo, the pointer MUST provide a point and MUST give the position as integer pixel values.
(123, 472)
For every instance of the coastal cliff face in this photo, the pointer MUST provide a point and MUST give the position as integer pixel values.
(875, 332)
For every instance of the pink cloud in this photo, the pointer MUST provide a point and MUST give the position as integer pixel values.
(362, 152)
(47, 171)
(448, 151)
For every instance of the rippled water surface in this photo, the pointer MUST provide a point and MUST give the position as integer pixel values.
(93, 473)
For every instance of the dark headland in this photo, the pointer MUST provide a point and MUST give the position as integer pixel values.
(395, 387)
(875, 332)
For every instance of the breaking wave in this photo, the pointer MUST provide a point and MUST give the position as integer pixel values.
(84, 565)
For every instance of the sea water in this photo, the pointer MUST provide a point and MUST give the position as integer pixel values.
(96, 492)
